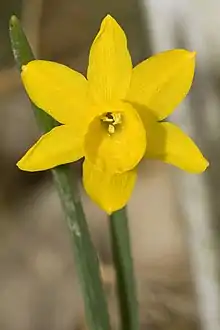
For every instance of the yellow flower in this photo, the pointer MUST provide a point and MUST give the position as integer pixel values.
(114, 117)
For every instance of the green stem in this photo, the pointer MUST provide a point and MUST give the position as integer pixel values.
(86, 258)
(121, 249)
(85, 255)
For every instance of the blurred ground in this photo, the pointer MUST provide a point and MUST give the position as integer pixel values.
(38, 284)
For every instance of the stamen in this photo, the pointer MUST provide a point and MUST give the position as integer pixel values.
(116, 118)
(111, 129)
(108, 118)
(112, 119)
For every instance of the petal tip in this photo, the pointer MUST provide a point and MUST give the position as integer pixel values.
(19, 164)
(193, 54)
(24, 165)
(109, 209)
(206, 164)
(108, 19)
(202, 167)
(24, 68)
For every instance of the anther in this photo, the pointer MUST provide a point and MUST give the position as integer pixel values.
(111, 129)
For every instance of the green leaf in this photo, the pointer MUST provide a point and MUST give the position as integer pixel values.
(86, 259)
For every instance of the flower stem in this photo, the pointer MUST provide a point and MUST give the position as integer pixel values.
(86, 258)
(85, 255)
(121, 249)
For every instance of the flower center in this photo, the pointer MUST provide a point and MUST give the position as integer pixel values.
(111, 119)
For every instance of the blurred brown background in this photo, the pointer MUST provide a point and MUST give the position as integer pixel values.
(38, 284)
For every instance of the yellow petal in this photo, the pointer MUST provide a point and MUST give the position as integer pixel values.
(120, 151)
(161, 82)
(60, 146)
(110, 192)
(110, 66)
(168, 143)
(57, 89)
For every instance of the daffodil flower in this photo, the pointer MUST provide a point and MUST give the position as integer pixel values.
(113, 118)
